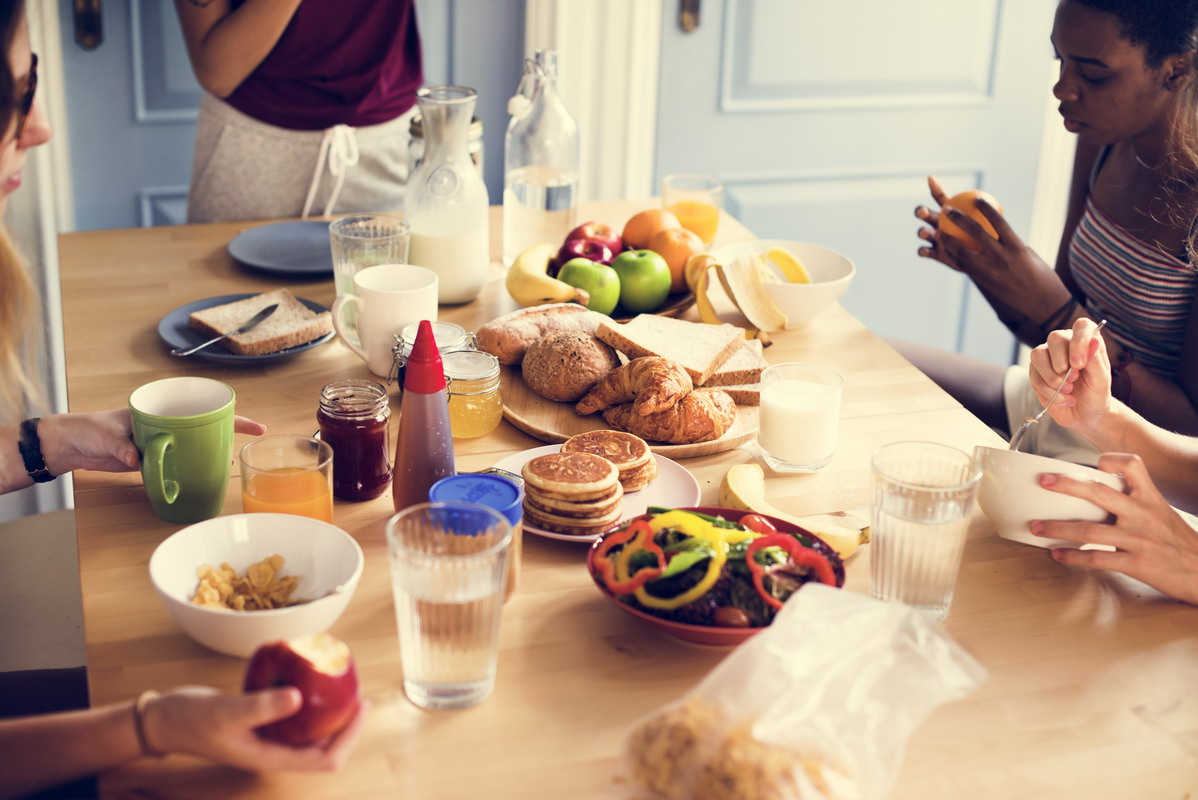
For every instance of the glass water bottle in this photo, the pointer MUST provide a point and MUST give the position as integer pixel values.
(446, 200)
(540, 161)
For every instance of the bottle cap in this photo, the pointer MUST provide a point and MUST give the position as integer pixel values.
(423, 372)
(486, 490)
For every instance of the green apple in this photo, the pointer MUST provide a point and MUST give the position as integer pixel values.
(599, 280)
(644, 279)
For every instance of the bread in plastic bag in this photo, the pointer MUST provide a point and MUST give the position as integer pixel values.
(819, 706)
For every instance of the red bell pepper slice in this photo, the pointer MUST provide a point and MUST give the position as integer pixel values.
(758, 524)
(637, 536)
(800, 556)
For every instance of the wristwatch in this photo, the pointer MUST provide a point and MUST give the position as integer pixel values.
(31, 451)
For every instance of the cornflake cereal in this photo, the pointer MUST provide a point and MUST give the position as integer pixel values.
(262, 588)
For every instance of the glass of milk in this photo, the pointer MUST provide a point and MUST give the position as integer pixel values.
(800, 416)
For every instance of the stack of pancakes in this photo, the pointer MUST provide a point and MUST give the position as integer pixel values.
(628, 452)
(577, 494)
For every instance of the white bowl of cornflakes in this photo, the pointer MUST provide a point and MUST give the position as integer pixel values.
(205, 571)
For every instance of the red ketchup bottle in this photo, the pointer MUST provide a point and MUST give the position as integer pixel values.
(424, 444)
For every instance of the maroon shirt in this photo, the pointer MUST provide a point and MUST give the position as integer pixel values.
(353, 62)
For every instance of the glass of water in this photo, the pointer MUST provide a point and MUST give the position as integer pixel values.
(923, 497)
(359, 241)
(448, 571)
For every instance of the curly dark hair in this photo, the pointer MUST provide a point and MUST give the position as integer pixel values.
(1162, 27)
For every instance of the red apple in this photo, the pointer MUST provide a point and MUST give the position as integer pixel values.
(322, 668)
(598, 232)
(590, 249)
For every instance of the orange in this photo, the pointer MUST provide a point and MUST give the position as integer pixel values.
(642, 227)
(964, 202)
(676, 246)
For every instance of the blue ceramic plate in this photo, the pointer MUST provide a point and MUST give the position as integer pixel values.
(175, 332)
(300, 247)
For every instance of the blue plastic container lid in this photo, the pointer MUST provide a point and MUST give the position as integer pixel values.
(487, 490)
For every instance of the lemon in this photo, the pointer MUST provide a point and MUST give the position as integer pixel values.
(791, 267)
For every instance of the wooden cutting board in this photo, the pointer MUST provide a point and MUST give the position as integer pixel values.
(556, 422)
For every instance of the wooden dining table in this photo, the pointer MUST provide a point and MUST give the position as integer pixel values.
(1092, 686)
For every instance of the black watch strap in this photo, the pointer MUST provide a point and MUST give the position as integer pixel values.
(31, 451)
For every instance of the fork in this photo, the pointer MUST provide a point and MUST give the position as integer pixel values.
(1017, 439)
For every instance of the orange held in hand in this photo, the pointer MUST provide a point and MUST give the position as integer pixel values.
(964, 202)
(643, 226)
(676, 246)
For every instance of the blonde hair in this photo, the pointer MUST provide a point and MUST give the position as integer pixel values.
(18, 314)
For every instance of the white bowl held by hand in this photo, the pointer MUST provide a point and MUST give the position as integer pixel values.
(831, 273)
(1011, 496)
(326, 559)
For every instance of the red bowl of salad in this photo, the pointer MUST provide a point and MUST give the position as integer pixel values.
(708, 575)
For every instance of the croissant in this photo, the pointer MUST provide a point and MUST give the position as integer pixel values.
(651, 384)
(699, 416)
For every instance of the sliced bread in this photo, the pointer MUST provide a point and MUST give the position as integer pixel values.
(744, 394)
(745, 366)
(292, 323)
(698, 348)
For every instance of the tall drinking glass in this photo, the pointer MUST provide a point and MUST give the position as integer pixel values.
(288, 474)
(923, 496)
(359, 241)
(448, 572)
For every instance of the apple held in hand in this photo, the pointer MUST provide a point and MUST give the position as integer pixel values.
(599, 280)
(585, 248)
(599, 232)
(323, 670)
(644, 279)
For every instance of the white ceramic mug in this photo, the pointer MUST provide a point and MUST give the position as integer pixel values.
(387, 297)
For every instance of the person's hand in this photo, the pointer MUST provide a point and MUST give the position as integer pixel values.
(1007, 271)
(1153, 543)
(1086, 398)
(201, 721)
(101, 440)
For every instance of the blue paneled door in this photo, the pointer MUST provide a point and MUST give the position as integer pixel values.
(132, 101)
(823, 120)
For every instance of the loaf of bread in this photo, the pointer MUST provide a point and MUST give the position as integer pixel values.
(698, 348)
(507, 337)
(291, 325)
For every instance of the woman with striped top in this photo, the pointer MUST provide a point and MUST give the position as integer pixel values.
(1127, 87)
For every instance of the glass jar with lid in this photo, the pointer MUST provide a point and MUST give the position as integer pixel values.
(353, 418)
(447, 335)
(475, 406)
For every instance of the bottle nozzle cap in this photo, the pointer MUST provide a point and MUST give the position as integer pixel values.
(423, 372)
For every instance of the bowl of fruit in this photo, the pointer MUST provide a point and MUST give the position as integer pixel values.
(802, 279)
(708, 575)
(636, 270)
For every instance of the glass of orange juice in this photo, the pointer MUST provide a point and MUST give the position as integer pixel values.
(288, 474)
(696, 200)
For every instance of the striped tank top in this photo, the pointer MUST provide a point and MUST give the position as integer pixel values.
(1144, 293)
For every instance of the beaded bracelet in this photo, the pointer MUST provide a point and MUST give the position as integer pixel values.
(139, 723)
(1058, 318)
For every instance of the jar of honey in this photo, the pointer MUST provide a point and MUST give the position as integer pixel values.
(475, 407)
(490, 490)
(353, 418)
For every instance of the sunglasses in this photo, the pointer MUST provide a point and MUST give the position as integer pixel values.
(26, 103)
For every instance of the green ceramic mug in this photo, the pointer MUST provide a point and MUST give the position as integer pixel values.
(183, 429)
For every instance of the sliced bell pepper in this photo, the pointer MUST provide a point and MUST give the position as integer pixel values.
(614, 570)
(799, 555)
(690, 595)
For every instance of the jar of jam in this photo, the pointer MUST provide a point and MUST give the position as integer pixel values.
(353, 418)
(475, 407)
(494, 491)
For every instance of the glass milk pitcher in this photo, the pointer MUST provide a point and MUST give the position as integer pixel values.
(446, 200)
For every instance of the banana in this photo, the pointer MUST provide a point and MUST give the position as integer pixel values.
(743, 487)
(529, 284)
(742, 281)
(696, 272)
(790, 265)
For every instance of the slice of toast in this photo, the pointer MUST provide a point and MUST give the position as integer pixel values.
(745, 366)
(292, 323)
(698, 348)
(743, 394)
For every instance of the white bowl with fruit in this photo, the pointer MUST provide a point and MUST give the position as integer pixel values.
(324, 561)
(801, 278)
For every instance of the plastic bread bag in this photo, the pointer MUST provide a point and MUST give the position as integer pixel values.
(819, 706)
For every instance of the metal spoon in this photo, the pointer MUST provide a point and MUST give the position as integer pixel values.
(1017, 439)
(253, 323)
